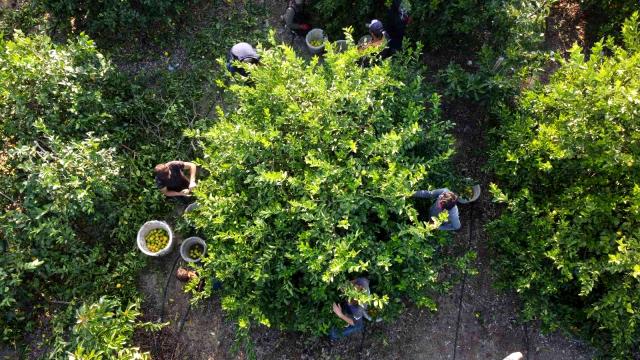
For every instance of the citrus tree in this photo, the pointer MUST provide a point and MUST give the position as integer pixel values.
(568, 165)
(309, 186)
(112, 18)
(104, 330)
(75, 177)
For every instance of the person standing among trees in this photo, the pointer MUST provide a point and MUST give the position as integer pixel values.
(171, 180)
(445, 200)
(397, 20)
(295, 18)
(351, 312)
(242, 52)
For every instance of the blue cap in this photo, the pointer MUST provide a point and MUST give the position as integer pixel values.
(376, 27)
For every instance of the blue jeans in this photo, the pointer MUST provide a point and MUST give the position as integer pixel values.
(336, 334)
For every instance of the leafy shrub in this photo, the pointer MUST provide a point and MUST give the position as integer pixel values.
(605, 17)
(104, 330)
(514, 56)
(25, 15)
(568, 168)
(439, 24)
(458, 23)
(113, 18)
(309, 183)
(334, 15)
(78, 144)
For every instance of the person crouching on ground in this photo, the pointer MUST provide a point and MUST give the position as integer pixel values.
(379, 39)
(241, 52)
(376, 30)
(351, 312)
(171, 180)
(445, 200)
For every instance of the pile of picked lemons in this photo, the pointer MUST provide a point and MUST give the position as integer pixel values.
(195, 252)
(316, 42)
(157, 239)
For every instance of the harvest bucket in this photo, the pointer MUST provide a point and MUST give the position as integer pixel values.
(191, 207)
(145, 229)
(366, 39)
(315, 35)
(189, 243)
(476, 194)
(340, 46)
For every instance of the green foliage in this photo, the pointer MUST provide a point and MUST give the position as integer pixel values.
(465, 24)
(79, 142)
(459, 23)
(513, 56)
(605, 17)
(335, 15)
(104, 330)
(568, 164)
(25, 16)
(113, 18)
(309, 182)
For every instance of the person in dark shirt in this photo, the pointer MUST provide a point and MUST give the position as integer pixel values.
(351, 312)
(171, 180)
(445, 200)
(396, 22)
(388, 36)
(295, 17)
(241, 52)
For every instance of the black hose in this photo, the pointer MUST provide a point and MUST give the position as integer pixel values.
(526, 340)
(464, 280)
(166, 285)
(364, 334)
(184, 318)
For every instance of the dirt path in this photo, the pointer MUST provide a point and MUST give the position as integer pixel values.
(473, 321)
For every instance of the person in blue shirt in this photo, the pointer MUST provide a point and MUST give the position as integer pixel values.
(351, 312)
(445, 200)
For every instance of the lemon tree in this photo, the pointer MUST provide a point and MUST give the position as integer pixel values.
(310, 182)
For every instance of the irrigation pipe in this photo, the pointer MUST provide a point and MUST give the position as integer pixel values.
(166, 285)
(526, 340)
(364, 334)
(184, 318)
(464, 281)
(7, 197)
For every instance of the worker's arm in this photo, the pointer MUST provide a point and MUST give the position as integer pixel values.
(338, 311)
(454, 221)
(429, 194)
(192, 173)
(172, 193)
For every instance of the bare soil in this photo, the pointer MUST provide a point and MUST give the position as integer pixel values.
(474, 321)
(565, 27)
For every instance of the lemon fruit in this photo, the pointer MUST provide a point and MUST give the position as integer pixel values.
(157, 239)
(195, 252)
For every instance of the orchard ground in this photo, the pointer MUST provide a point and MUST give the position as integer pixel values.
(473, 321)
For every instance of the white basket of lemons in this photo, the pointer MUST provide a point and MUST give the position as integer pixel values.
(155, 238)
(315, 40)
(193, 249)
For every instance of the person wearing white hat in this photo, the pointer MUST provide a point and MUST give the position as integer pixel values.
(241, 52)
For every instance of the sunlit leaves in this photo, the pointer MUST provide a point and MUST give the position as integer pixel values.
(568, 169)
(310, 176)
